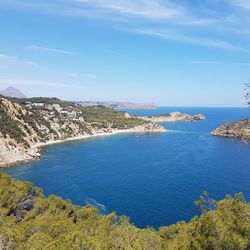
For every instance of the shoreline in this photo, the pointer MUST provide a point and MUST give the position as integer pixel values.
(33, 152)
(82, 137)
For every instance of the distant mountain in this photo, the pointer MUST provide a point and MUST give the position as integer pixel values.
(12, 92)
(119, 105)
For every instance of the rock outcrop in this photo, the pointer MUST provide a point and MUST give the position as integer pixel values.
(173, 117)
(239, 129)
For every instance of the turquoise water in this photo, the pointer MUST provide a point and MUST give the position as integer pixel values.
(152, 178)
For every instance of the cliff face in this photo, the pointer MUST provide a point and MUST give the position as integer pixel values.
(173, 117)
(239, 129)
(26, 124)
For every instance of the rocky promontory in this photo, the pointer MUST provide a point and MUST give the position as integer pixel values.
(239, 129)
(174, 117)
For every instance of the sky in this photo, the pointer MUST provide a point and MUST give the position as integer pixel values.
(169, 52)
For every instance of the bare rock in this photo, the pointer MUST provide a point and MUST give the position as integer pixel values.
(199, 117)
(239, 129)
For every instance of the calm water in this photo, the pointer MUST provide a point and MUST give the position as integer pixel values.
(152, 178)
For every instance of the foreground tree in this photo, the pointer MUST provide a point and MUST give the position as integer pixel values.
(29, 220)
(247, 95)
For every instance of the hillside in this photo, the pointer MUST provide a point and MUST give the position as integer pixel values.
(239, 129)
(29, 123)
(29, 220)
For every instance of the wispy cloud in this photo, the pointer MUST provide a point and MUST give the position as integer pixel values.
(167, 11)
(50, 50)
(91, 76)
(17, 59)
(9, 81)
(191, 40)
(216, 18)
(222, 63)
(151, 9)
(15, 65)
(241, 3)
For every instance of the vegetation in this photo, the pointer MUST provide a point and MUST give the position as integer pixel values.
(162, 115)
(248, 93)
(57, 119)
(103, 115)
(29, 220)
(10, 127)
(45, 100)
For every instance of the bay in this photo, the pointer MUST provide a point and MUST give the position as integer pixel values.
(152, 178)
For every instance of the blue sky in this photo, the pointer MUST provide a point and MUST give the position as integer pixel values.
(173, 53)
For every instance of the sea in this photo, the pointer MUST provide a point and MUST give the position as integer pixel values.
(153, 178)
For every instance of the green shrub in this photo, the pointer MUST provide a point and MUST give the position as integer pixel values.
(54, 223)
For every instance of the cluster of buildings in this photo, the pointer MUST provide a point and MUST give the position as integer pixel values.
(53, 109)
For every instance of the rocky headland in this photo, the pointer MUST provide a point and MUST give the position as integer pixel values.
(173, 117)
(238, 129)
(28, 124)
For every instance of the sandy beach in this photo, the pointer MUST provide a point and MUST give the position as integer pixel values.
(33, 153)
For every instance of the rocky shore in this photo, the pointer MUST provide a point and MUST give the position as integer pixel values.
(174, 117)
(239, 129)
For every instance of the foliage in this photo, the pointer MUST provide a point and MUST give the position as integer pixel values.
(205, 203)
(45, 100)
(247, 95)
(103, 116)
(10, 127)
(53, 223)
(40, 123)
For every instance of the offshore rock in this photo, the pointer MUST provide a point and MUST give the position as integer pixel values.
(239, 129)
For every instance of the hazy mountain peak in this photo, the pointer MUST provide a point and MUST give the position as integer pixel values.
(12, 92)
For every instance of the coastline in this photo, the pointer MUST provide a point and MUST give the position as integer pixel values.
(82, 137)
(33, 153)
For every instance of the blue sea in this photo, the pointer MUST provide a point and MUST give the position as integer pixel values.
(152, 178)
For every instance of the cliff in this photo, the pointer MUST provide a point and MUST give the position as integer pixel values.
(239, 129)
(173, 117)
(26, 124)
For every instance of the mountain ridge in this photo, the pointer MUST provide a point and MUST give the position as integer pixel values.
(12, 92)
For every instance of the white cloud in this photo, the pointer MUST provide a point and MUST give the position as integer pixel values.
(191, 40)
(152, 9)
(206, 62)
(51, 50)
(167, 11)
(222, 63)
(245, 4)
(9, 81)
(184, 18)
(9, 58)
